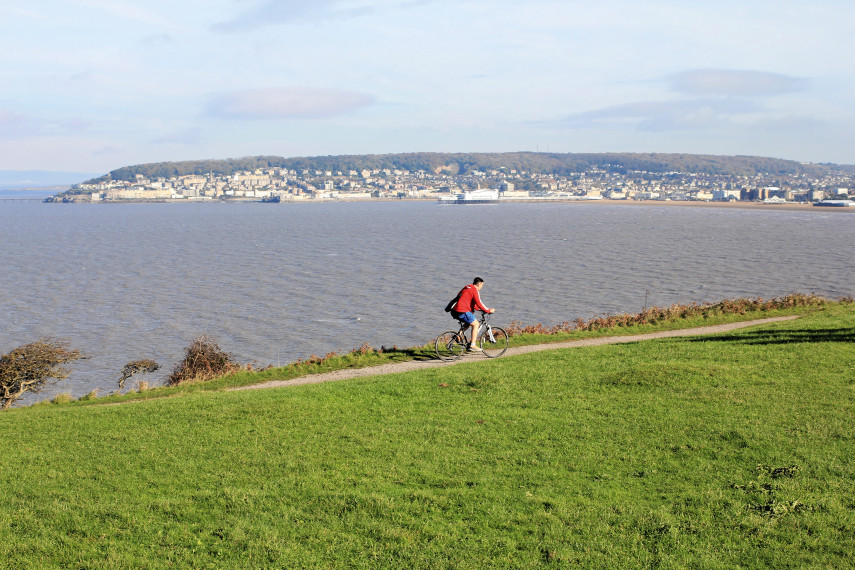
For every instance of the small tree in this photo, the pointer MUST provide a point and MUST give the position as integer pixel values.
(31, 367)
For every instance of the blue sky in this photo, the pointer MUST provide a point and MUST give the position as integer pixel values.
(93, 85)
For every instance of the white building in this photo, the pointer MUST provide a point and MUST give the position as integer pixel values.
(724, 195)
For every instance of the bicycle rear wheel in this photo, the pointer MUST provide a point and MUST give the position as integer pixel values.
(494, 342)
(450, 345)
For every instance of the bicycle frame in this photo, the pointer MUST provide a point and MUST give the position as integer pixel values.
(483, 328)
(492, 341)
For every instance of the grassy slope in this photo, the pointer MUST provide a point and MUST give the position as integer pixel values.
(366, 358)
(699, 451)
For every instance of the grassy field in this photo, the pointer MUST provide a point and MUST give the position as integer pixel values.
(716, 452)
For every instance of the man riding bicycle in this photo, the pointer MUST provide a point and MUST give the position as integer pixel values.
(468, 301)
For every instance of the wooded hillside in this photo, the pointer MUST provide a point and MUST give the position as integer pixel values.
(463, 163)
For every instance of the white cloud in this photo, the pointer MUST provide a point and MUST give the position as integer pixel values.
(263, 13)
(663, 115)
(108, 150)
(735, 83)
(189, 136)
(14, 125)
(129, 11)
(287, 103)
(271, 12)
(717, 98)
(791, 123)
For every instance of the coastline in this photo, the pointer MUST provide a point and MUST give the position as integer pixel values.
(736, 205)
(739, 205)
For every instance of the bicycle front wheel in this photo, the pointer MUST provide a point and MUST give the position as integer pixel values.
(494, 342)
(450, 345)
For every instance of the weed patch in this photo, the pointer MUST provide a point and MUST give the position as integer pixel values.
(764, 496)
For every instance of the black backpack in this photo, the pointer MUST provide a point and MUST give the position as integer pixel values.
(451, 304)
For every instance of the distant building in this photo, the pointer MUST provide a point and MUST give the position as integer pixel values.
(725, 195)
(647, 195)
(138, 193)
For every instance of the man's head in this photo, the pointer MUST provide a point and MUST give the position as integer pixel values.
(478, 282)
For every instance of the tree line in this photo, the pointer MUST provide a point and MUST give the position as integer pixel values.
(561, 164)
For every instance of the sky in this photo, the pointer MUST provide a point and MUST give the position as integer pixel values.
(94, 85)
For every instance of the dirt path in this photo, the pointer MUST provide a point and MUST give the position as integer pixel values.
(424, 364)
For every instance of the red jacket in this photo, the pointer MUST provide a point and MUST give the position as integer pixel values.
(469, 301)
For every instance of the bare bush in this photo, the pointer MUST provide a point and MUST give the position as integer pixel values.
(31, 367)
(203, 360)
(137, 367)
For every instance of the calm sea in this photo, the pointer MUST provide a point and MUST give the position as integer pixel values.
(276, 282)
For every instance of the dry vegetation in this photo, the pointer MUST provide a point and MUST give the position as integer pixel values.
(203, 360)
(137, 367)
(31, 367)
(675, 312)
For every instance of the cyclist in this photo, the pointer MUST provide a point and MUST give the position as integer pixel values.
(468, 301)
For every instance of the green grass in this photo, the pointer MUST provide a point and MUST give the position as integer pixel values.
(713, 452)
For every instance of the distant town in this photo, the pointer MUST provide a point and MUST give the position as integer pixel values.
(507, 184)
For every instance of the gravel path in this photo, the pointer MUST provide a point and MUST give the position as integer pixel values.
(424, 364)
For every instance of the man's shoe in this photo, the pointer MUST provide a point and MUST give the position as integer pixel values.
(475, 349)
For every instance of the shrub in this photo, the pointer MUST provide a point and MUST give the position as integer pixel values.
(62, 398)
(136, 367)
(203, 360)
(31, 367)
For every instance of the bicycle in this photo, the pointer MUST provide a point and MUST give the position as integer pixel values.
(454, 344)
